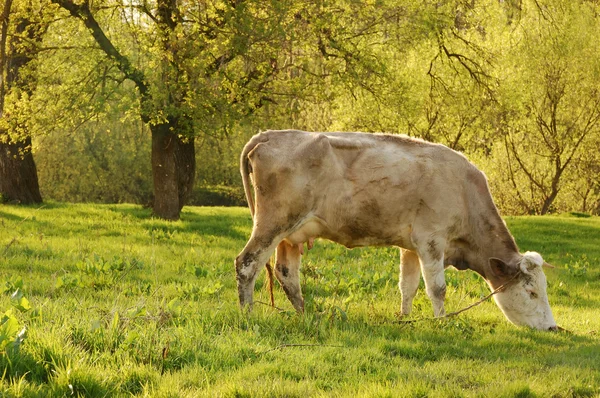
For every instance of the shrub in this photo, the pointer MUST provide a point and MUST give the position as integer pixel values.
(217, 195)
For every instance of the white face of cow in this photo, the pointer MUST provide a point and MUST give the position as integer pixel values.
(525, 301)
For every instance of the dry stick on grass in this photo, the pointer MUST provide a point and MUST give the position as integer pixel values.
(280, 346)
(269, 305)
(31, 215)
(14, 240)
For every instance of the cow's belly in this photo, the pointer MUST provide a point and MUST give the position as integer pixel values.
(353, 234)
(351, 237)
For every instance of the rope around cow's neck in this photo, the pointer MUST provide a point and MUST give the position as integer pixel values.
(475, 304)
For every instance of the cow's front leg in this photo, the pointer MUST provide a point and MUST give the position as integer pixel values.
(247, 264)
(287, 271)
(410, 274)
(432, 267)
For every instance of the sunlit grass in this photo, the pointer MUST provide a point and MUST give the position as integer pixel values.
(120, 303)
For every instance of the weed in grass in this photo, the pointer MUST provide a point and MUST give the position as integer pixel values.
(578, 267)
(13, 285)
(12, 334)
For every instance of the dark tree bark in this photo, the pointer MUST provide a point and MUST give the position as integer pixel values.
(173, 170)
(164, 172)
(185, 158)
(18, 173)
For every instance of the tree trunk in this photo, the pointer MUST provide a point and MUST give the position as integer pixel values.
(173, 170)
(18, 174)
(558, 170)
(186, 167)
(164, 172)
(548, 202)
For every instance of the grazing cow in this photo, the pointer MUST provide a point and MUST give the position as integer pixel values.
(362, 189)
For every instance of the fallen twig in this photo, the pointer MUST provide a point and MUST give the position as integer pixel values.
(9, 245)
(561, 329)
(285, 345)
(31, 215)
(269, 305)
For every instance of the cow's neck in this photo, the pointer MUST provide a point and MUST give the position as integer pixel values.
(495, 241)
(487, 238)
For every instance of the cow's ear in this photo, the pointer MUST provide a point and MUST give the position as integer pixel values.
(500, 269)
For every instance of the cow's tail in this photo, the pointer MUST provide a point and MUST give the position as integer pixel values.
(270, 282)
(245, 171)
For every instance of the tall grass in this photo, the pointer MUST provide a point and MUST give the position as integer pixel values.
(104, 300)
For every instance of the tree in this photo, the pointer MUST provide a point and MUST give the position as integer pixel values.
(172, 165)
(18, 173)
(199, 68)
(551, 101)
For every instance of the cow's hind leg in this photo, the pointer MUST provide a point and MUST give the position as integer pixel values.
(287, 271)
(431, 256)
(255, 255)
(410, 274)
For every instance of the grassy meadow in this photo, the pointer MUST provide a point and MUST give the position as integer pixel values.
(104, 300)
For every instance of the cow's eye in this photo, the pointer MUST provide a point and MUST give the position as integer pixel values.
(533, 295)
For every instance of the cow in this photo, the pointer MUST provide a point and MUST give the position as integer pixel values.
(372, 189)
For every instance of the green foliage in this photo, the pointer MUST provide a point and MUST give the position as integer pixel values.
(106, 161)
(511, 84)
(115, 302)
(19, 301)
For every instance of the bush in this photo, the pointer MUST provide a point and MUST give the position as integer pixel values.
(218, 195)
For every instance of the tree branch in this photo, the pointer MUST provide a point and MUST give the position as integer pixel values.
(523, 167)
(83, 13)
(512, 176)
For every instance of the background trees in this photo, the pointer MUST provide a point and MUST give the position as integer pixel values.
(140, 100)
(550, 103)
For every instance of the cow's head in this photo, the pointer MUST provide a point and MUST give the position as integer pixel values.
(524, 300)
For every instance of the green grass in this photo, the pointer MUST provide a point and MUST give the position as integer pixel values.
(116, 303)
